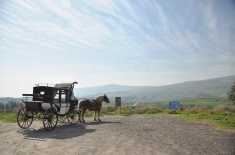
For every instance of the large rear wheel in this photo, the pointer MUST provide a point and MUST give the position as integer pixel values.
(50, 119)
(24, 118)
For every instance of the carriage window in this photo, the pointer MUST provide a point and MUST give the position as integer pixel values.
(42, 93)
(63, 97)
(56, 98)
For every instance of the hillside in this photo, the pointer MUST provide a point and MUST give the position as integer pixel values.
(111, 88)
(217, 87)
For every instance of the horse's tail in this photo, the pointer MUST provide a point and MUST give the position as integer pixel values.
(80, 109)
(79, 104)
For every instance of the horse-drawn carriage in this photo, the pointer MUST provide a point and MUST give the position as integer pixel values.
(48, 103)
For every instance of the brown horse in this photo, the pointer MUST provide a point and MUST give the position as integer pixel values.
(92, 105)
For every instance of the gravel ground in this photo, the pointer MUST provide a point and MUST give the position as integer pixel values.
(142, 134)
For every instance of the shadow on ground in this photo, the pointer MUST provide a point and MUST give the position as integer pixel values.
(62, 131)
(102, 122)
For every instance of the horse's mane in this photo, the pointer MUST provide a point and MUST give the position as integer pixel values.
(100, 96)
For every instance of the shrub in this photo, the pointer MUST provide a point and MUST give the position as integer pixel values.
(231, 94)
(142, 110)
(221, 108)
(126, 111)
(153, 111)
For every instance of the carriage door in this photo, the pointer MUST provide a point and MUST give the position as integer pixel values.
(63, 101)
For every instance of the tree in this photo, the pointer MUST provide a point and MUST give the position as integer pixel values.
(11, 105)
(1, 106)
(231, 94)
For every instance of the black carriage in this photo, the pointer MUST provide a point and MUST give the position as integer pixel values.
(48, 103)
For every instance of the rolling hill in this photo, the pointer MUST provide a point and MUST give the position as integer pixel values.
(217, 87)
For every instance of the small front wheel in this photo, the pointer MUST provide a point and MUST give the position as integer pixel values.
(24, 118)
(73, 117)
(50, 119)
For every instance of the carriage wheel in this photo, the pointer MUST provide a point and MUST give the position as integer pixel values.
(62, 119)
(24, 118)
(73, 117)
(50, 119)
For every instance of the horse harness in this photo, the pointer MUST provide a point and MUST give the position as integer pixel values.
(97, 103)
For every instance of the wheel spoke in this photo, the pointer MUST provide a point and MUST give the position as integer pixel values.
(48, 126)
(26, 122)
(23, 125)
(52, 124)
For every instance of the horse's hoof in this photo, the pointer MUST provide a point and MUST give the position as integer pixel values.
(99, 120)
(95, 119)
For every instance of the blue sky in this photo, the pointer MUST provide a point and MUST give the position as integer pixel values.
(140, 42)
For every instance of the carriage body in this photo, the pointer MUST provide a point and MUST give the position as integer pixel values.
(47, 103)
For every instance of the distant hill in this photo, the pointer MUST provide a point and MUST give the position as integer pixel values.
(217, 87)
(111, 88)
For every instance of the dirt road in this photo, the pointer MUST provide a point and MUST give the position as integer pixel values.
(143, 134)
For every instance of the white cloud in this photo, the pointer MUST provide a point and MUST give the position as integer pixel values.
(209, 15)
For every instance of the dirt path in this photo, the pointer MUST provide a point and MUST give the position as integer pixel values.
(145, 134)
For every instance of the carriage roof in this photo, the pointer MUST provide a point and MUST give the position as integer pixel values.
(48, 93)
(65, 85)
(57, 85)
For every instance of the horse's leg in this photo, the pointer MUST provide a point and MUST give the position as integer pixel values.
(95, 116)
(79, 118)
(83, 112)
(99, 115)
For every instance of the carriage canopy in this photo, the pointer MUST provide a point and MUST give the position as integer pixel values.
(61, 92)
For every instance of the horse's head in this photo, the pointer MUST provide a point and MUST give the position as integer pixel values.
(102, 98)
(106, 99)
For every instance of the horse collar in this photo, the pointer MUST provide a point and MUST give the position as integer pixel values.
(99, 99)
(96, 100)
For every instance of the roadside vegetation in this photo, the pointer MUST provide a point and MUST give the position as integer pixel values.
(8, 116)
(222, 116)
(217, 111)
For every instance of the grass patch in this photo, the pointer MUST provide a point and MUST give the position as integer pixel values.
(125, 111)
(8, 117)
(152, 111)
(222, 117)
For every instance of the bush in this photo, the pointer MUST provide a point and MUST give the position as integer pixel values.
(108, 111)
(142, 110)
(148, 110)
(221, 108)
(126, 111)
(153, 111)
(231, 94)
